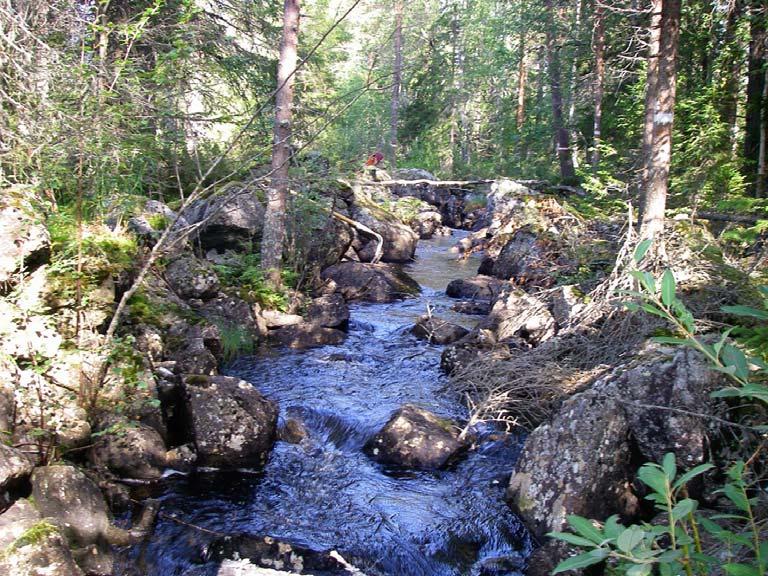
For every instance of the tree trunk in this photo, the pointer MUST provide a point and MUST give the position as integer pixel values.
(599, 85)
(651, 96)
(761, 187)
(731, 65)
(397, 76)
(522, 76)
(567, 173)
(663, 116)
(274, 217)
(572, 83)
(755, 82)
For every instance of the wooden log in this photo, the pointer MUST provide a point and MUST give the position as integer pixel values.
(722, 217)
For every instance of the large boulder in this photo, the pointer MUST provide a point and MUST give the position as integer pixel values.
(476, 288)
(232, 424)
(584, 460)
(515, 314)
(129, 450)
(438, 331)
(227, 311)
(73, 503)
(370, 282)
(521, 258)
(329, 311)
(415, 438)
(190, 277)
(231, 220)
(372, 207)
(305, 335)
(15, 470)
(31, 546)
(23, 235)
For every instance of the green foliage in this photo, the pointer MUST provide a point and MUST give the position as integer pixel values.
(676, 546)
(246, 277)
(235, 340)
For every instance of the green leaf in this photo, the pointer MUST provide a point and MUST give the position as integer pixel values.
(612, 528)
(741, 570)
(582, 560)
(584, 527)
(732, 356)
(737, 497)
(746, 311)
(572, 539)
(668, 287)
(669, 465)
(652, 476)
(630, 538)
(691, 474)
(673, 340)
(683, 508)
(642, 249)
(719, 345)
(651, 309)
(640, 570)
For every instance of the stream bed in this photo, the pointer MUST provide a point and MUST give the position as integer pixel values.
(325, 493)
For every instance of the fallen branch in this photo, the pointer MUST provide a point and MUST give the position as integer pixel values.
(433, 183)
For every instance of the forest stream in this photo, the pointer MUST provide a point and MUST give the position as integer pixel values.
(325, 493)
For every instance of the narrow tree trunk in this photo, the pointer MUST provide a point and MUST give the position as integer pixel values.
(651, 96)
(761, 187)
(598, 43)
(397, 74)
(522, 76)
(732, 61)
(567, 172)
(663, 115)
(274, 217)
(573, 133)
(755, 82)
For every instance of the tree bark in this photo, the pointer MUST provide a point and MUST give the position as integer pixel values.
(572, 83)
(755, 82)
(273, 237)
(651, 96)
(567, 172)
(522, 76)
(598, 43)
(663, 116)
(731, 65)
(761, 186)
(397, 77)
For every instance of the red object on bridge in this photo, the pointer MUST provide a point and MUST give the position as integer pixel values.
(374, 159)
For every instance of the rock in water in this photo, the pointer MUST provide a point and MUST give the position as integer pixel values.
(370, 282)
(232, 424)
(438, 331)
(415, 438)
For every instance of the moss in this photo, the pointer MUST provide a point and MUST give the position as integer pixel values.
(157, 221)
(35, 534)
(197, 380)
(142, 310)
